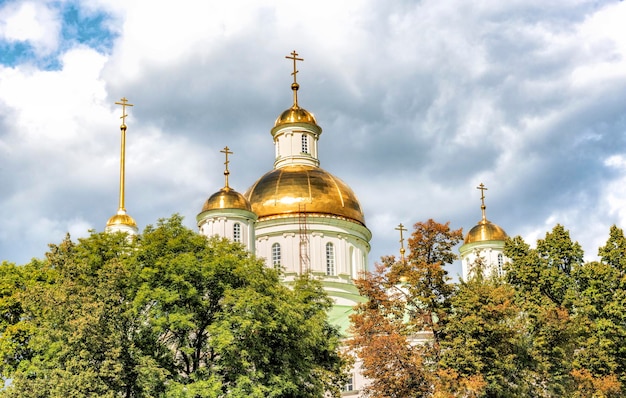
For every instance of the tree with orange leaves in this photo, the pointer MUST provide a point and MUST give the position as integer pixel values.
(396, 332)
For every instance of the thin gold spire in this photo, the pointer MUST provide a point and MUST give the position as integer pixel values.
(295, 86)
(124, 103)
(226, 151)
(402, 251)
(482, 199)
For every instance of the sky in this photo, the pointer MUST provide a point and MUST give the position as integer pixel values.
(419, 102)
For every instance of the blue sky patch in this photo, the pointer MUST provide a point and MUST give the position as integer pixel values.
(78, 27)
(13, 53)
(89, 30)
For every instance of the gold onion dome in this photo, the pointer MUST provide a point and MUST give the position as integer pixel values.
(226, 198)
(295, 114)
(485, 230)
(282, 191)
(121, 218)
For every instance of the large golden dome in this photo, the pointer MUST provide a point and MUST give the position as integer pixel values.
(226, 198)
(295, 114)
(282, 191)
(485, 231)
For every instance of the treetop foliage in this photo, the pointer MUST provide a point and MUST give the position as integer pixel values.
(554, 326)
(167, 313)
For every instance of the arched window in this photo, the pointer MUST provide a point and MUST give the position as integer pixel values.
(305, 144)
(237, 232)
(276, 255)
(500, 264)
(330, 259)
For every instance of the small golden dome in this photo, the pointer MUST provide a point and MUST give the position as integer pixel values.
(282, 191)
(121, 218)
(295, 114)
(485, 231)
(226, 198)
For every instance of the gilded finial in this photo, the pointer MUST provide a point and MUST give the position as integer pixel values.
(226, 151)
(402, 251)
(482, 199)
(295, 86)
(122, 221)
(124, 103)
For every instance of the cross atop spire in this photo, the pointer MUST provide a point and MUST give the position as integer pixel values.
(401, 229)
(226, 151)
(482, 198)
(295, 86)
(124, 103)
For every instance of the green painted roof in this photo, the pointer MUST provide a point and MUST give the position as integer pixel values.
(339, 316)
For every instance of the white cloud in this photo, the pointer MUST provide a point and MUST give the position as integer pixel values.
(55, 106)
(33, 22)
(602, 39)
(614, 194)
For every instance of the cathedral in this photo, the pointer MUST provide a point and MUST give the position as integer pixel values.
(301, 218)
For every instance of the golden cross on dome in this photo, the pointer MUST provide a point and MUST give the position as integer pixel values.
(226, 151)
(295, 86)
(294, 56)
(124, 103)
(482, 198)
(401, 229)
(482, 188)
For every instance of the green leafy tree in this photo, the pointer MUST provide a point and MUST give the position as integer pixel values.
(545, 291)
(14, 333)
(481, 341)
(168, 313)
(84, 335)
(600, 361)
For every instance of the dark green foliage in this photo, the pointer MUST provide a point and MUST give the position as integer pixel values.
(545, 291)
(168, 313)
(544, 273)
(601, 317)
